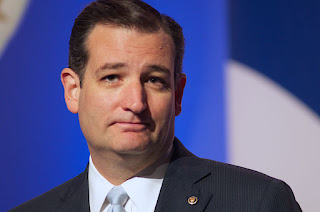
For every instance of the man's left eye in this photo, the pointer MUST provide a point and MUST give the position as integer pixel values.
(154, 80)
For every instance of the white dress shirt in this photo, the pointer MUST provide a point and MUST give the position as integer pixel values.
(143, 190)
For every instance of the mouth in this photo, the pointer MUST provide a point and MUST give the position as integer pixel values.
(132, 126)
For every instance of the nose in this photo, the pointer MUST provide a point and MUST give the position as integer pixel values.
(135, 98)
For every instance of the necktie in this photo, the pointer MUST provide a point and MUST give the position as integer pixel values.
(117, 197)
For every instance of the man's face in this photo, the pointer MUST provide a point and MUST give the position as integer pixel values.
(128, 100)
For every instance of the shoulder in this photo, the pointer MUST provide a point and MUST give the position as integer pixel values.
(234, 174)
(222, 172)
(220, 175)
(232, 188)
(52, 200)
(186, 162)
(241, 186)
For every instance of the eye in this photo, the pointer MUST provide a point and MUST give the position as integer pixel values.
(111, 78)
(154, 80)
(157, 82)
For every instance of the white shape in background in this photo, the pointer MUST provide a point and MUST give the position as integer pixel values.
(11, 13)
(273, 132)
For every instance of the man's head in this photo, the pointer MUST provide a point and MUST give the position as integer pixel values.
(132, 84)
(131, 14)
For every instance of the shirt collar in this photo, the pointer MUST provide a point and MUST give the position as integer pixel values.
(143, 189)
(99, 187)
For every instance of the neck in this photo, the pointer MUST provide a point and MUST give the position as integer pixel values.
(117, 168)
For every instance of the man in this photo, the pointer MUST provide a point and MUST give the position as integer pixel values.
(126, 83)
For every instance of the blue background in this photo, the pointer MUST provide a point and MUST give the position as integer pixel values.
(281, 40)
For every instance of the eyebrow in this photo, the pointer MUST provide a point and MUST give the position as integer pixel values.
(111, 66)
(115, 66)
(159, 68)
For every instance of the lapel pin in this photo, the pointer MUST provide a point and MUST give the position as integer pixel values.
(192, 200)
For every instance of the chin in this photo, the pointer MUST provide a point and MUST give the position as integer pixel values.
(134, 145)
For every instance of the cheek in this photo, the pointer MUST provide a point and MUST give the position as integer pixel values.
(94, 108)
(161, 107)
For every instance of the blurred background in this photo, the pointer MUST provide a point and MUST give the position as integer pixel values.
(251, 97)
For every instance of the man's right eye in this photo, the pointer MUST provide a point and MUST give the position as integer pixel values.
(111, 78)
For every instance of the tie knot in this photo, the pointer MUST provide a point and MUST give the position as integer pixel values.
(117, 196)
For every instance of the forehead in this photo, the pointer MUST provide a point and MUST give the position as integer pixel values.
(136, 51)
(109, 40)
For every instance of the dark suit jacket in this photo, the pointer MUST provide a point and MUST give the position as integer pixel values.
(218, 187)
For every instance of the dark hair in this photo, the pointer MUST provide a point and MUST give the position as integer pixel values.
(134, 14)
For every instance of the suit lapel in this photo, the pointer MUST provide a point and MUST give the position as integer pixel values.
(182, 181)
(76, 197)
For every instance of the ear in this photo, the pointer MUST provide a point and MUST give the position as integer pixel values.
(180, 83)
(71, 84)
